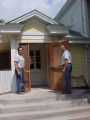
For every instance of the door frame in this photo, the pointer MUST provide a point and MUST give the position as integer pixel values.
(56, 84)
(25, 47)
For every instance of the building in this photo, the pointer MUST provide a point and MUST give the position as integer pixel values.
(76, 15)
(38, 35)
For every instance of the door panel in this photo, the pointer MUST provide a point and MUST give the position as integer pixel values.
(27, 66)
(37, 67)
(56, 75)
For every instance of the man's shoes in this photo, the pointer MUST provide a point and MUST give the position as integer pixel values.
(23, 90)
(65, 92)
(18, 92)
(69, 92)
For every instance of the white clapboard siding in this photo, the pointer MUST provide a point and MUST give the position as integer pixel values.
(5, 81)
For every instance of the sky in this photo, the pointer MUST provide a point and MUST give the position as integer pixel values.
(11, 9)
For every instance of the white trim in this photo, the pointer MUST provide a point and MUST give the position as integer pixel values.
(57, 29)
(49, 21)
(59, 32)
(79, 41)
(32, 14)
(10, 28)
(9, 31)
(34, 41)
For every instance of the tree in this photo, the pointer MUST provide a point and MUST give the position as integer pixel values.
(2, 21)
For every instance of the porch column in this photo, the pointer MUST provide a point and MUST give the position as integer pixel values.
(14, 47)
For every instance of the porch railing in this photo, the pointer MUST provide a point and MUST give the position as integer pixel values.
(5, 81)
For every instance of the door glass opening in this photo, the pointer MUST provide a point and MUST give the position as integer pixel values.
(35, 59)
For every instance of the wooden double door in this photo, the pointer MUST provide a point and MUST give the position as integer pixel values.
(38, 67)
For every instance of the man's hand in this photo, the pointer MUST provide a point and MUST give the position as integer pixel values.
(16, 67)
(63, 70)
(18, 71)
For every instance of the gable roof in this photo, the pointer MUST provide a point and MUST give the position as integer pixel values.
(36, 14)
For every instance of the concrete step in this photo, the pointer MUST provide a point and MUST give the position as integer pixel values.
(47, 93)
(78, 116)
(84, 117)
(29, 97)
(41, 106)
(39, 97)
(68, 112)
(29, 100)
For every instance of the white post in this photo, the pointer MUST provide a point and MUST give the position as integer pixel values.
(14, 47)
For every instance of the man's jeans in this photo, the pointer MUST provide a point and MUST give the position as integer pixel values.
(67, 77)
(20, 80)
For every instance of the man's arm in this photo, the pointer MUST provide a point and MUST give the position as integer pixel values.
(65, 65)
(16, 67)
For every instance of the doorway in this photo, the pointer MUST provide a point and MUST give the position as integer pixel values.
(38, 72)
(40, 59)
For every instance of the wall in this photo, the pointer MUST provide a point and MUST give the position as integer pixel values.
(79, 63)
(34, 32)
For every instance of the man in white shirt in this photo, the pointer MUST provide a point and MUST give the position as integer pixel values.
(67, 68)
(19, 65)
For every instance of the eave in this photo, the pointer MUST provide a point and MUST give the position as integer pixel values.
(10, 28)
(58, 29)
(82, 40)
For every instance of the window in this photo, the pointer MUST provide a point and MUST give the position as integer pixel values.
(38, 59)
(35, 57)
(5, 60)
(32, 59)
